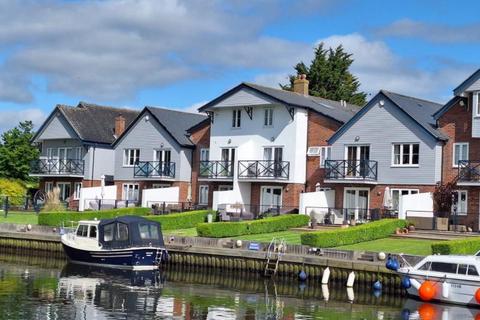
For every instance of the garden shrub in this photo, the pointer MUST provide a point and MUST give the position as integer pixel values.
(65, 218)
(267, 225)
(14, 189)
(365, 232)
(181, 220)
(466, 246)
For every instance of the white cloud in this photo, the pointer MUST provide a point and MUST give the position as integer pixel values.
(11, 118)
(194, 107)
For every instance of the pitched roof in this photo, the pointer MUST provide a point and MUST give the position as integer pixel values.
(467, 83)
(329, 108)
(448, 105)
(419, 110)
(177, 122)
(95, 123)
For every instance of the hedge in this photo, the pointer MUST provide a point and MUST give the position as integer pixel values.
(14, 189)
(366, 232)
(56, 219)
(467, 246)
(267, 225)
(181, 220)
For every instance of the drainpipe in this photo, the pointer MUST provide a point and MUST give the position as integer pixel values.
(93, 164)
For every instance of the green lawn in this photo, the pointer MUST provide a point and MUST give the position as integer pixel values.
(19, 217)
(190, 232)
(393, 245)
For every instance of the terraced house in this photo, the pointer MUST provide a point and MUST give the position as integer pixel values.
(256, 157)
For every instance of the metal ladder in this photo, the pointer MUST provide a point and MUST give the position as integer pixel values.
(276, 249)
(159, 256)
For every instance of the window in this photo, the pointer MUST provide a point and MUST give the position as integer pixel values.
(82, 230)
(160, 185)
(425, 266)
(325, 154)
(444, 267)
(236, 118)
(108, 232)
(472, 271)
(396, 193)
(405, 154)
(313, 151)
(204, 154)
(131, 157)
(64, 190)
(268, 118)
(462, 269)
(460, 152)
(93, 232)
(162, 156)
(122, 232)
(76, 190)
(225, 188)
(130, 191)
(48, 186)
(78, 153)
(462, 203)
(148, 231)
(476, 104)
(203, 195)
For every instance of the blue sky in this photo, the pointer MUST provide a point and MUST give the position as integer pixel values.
(181, 54)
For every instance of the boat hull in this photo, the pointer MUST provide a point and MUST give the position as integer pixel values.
(129, 258)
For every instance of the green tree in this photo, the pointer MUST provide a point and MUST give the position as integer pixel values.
(16, 152)
(329, 76)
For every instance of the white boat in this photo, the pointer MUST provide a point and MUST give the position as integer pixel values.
(445, 278)
(127, 242)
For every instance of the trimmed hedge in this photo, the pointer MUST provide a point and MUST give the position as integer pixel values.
(181, 220)
(267, 225)
(467, 246)
(366, 232)
(55, 219)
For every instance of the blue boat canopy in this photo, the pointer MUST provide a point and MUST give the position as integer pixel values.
(129, 231)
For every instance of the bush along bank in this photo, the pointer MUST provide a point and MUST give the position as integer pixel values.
(466, 246)
(365, 232)
(267, 225)
(182, 220)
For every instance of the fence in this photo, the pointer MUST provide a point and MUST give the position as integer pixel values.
(107, 204)
(235, 212)
(326, 215)
(443, 221)
(165, 207)
(23, 204)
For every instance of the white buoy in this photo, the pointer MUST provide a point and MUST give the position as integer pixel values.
(351, 279)
(381, 256)
(350, 294)
(445, 289)
(415, 283)
(326, 275)
(325, 292)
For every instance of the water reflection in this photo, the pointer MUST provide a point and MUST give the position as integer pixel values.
(78, 292)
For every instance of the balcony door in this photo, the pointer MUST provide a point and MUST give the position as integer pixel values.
(64, 154)
(163, 158)
(228, 160)
(273, 157)
(270, 199)
(357, 161)
(355, 203)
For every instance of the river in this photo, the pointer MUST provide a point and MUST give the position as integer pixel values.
(47, 288)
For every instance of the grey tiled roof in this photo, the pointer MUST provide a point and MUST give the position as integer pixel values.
(420, 110)
(329, 108)
(177, 122)
(95, 123)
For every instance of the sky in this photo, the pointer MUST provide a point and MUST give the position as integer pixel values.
(182, 54)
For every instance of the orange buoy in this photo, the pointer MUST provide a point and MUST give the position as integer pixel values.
(477, 295)
(477, 317)
(427, 291)
(427, 311)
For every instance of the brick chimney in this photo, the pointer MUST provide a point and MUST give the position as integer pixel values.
(300, 85)
(119, 125)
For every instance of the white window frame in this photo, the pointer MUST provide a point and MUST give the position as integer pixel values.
(313, 151)
(268, 117)
(204, 154)
(325, 154)
(48, 186)
(236, 118)
(127, 156)
(476, 104)
(462, 145)
(76, 193)
(128, 185)
(200, 197)
(62, 191)
(410, 158)
(78, 151)
(160, 185)
(400, 190)
(459, 192)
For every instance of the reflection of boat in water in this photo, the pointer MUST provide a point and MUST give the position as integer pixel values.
(127, 242)
(414, 309)
(451, 279)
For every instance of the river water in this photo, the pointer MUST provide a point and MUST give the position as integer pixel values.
(46, 288)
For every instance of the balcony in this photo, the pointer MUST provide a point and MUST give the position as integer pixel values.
(154, 169)
(351, 171)
(216, 170)
(263, 169)
(468, 172)
(57, 167)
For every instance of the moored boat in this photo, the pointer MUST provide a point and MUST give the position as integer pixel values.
(127, 242)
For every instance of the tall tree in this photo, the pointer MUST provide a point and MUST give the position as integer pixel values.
(16, 151)
(330, 77)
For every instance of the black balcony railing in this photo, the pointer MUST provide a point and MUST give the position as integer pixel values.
(351, 169)
(57, 167)
(154, 169)
(469, 171)
(263, 169)
(216, 169)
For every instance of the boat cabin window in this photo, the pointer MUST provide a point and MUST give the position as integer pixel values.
(82, 230)
(462, 269)
(444, 267)
(122, 232)
(425, 266)
(472, 271)
(93, 232)
(148, 231)
(108, 231)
